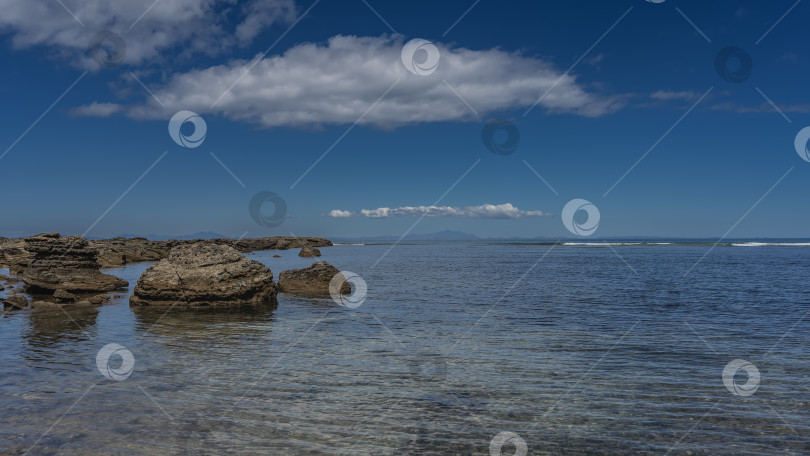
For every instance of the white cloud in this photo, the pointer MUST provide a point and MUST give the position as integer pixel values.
(96, 109)
(493, 211)
(764, 107)
(340, 214)
(667, 95)
(195, 26)
(337, 82)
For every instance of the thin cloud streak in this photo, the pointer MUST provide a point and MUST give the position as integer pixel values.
(488, 211)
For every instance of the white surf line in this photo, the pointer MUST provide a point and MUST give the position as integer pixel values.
(739, 220)
(425, 214)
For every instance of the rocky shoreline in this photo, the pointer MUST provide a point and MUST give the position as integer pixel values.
(57, 270)
(116, 252)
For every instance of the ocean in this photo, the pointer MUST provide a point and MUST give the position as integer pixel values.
(467, 348)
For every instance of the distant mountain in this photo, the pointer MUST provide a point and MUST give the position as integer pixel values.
(163, 237)
(446, 235)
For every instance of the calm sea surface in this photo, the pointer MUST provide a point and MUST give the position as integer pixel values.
(578, 350)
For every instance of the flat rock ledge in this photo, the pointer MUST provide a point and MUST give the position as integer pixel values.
(311, 281)
(204, 274)
(116, 252)
(62, 265)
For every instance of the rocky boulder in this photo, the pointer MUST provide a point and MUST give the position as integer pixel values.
(274, 243)
(313, 280)
(66, 263)
(309, 252)
(116, 252)
(14, 256)
(204, 274)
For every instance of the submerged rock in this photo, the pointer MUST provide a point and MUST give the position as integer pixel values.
(98, 299)
(204, 274)
(308, 251)
(63, 295)
(313, 280)
(66, 263)
(10, 280)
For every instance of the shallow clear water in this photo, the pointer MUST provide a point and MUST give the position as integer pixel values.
(576, 349)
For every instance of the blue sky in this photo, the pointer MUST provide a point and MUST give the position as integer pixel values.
(82, 167)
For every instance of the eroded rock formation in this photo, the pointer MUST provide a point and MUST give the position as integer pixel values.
(65, 264)
(204, 274)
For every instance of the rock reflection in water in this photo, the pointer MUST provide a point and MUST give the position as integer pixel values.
(53, 326)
